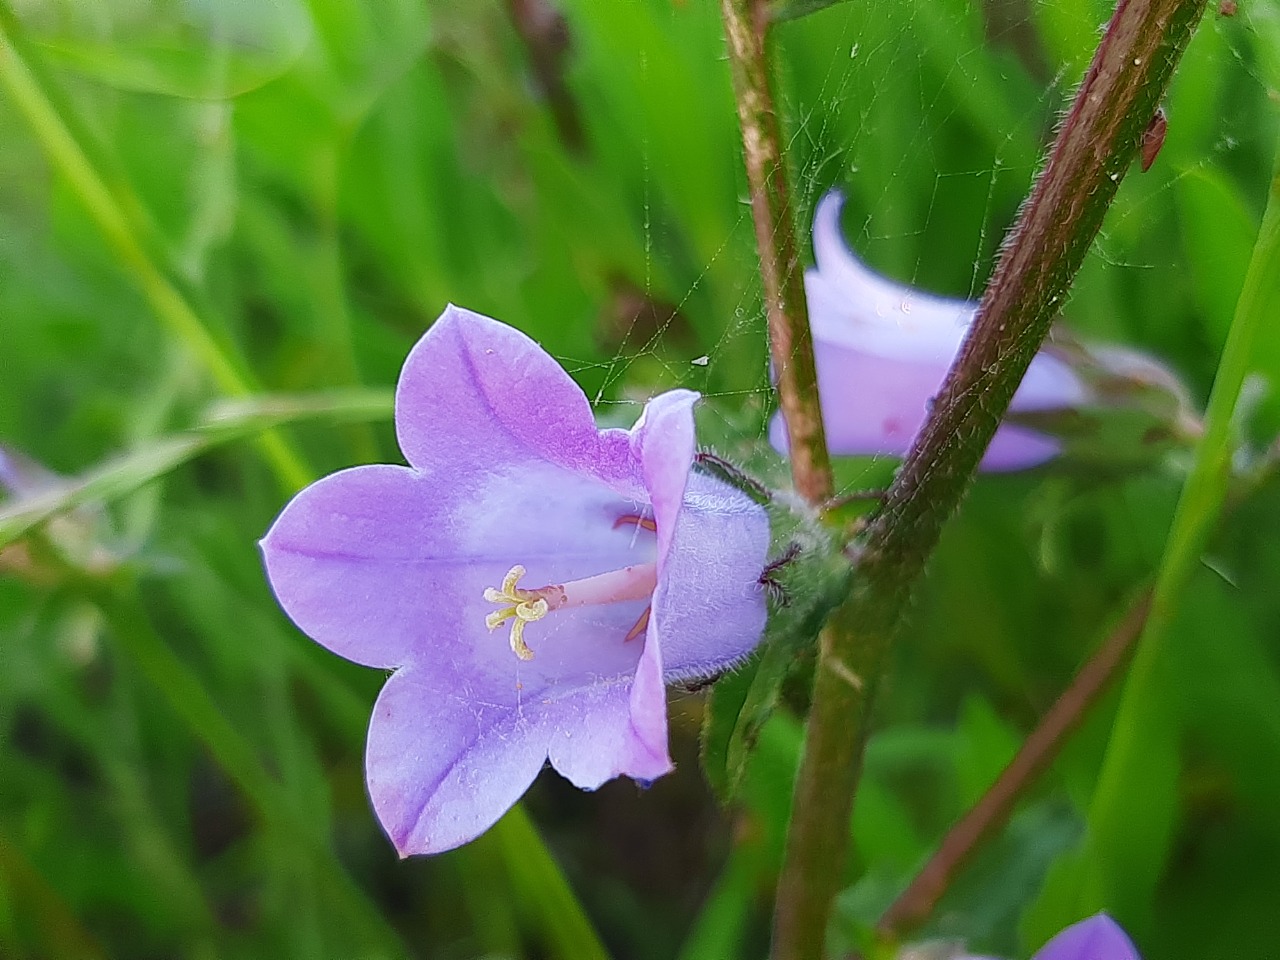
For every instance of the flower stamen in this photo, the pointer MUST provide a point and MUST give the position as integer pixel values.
(523, 607)
(518, 606)
(644, 523)
(640, 625)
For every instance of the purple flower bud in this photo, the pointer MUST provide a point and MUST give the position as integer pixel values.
(883, 349)
(1097, 938)
(532, 580)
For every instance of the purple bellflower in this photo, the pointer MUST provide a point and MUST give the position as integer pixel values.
(533, 582)
(883, 349)
(1097, 938)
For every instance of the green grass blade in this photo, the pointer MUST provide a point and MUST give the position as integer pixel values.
(1122, 871)
(171, 306)
(537, 879)
(60, 929)
(227, 421)
(187, 696)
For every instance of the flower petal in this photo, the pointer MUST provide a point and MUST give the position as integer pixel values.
(592, 738)
(1097, 938)
(346, 559)
(476, 392)
(1017, 448)
(20, 476)
(713, 612)
(443, 765)
(883, 350)
(386, 566)
(1048, 384)
(853, 305)
(875, 405)
(664, 441)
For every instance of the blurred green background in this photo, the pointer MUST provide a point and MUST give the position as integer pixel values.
(205, 201)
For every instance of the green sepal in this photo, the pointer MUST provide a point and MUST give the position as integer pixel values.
(806, 588)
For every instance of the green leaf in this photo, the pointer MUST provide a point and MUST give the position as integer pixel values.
(206, 50)
(229, 420)
(539, 882)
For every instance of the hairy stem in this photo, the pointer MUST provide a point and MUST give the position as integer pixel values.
(1095, 144)
(746, 27)
(992, 811)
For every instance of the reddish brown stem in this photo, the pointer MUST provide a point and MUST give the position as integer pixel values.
(790, 342)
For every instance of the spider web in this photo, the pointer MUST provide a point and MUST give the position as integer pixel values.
(934, 151)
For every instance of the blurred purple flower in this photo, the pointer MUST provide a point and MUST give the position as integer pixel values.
(1097, 938)
(77, 538)
(883, 349)
(651, 571)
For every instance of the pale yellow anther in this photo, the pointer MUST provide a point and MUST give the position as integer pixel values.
(510, 581)
(518, 646)
(496, 619)
(520, 607)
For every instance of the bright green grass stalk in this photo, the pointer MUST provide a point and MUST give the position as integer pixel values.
(536, 878)
(1122, 867)
(111, 213)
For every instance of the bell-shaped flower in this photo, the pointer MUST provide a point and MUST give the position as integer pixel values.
(883, 349)
(1097, 938)
(533, 581)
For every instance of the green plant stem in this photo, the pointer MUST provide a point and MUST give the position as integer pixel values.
(116, 217)
(1140, 717)
(803, 900)
(544, 32)
(1096, 143)
(746, 25)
